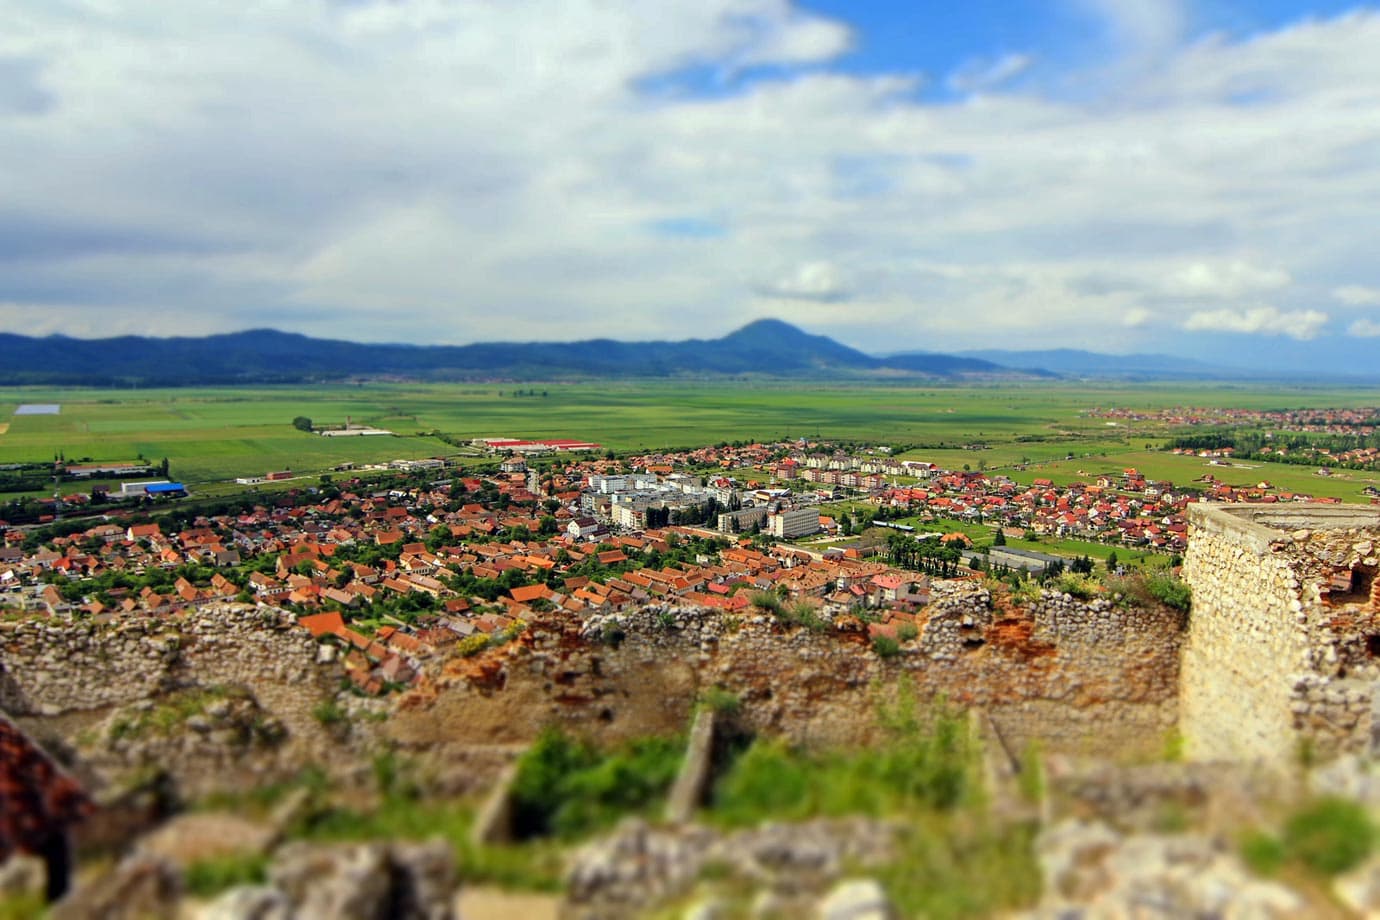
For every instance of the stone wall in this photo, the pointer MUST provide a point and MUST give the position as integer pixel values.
(1088, 678)
(62, 678)
(1279, 656)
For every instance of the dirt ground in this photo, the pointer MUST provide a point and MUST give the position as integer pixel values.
(496, 904)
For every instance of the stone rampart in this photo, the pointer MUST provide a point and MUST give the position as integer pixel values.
(1280, 652)
(641, 673)
(71, 674)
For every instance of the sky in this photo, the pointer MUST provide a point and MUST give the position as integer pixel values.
(1196, 177)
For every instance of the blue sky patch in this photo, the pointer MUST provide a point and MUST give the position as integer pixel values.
(699, 228)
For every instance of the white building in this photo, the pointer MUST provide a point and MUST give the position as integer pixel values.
(630, 516)
(787, 525)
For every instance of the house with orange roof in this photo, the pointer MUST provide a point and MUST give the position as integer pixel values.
(530, 593)
(322, 624)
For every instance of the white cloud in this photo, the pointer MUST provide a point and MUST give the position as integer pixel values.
(1297, 324)
(450, 171)
(820, 281)
(1355, 295)
(1364, 329)
(1230, 279)
(981, 74)
(799, 39)
(1141, 24)
(1136, 317)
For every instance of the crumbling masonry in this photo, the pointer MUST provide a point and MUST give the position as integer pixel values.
(1282, 656)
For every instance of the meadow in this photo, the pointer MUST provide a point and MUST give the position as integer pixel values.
(211, 435)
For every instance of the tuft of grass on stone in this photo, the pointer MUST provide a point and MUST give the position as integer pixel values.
(1329, 836)
(885, 646)
(207, 878)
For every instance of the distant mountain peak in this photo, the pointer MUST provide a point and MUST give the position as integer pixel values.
(768, 347)
(762, 329)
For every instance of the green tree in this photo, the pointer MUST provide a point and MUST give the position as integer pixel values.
(302, 423)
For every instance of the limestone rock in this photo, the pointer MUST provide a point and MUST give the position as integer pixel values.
(629, 871)
(424, 879)
(1091, 871)
(22, 875)
(248, 902)
(1359, 889)
(856, 899)
(1072, 857)
(339, 881)
(709, 909)
(370, 881)
(198, 836)
(138, 889)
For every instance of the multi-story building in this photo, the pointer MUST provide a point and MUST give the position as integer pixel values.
(787, 525)
(739, 521)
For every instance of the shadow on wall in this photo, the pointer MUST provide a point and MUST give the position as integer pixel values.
(12, 696)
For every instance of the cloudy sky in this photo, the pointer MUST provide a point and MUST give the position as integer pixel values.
(1122, 175)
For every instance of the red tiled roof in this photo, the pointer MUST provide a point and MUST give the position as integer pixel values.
(321, 624)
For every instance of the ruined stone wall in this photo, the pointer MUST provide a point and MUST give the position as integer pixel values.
(70, 674)
(50, 667)
(1276, 657)
(1111, 693)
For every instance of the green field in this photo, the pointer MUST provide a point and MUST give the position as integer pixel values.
(212, 435)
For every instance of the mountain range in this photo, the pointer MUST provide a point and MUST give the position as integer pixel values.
(1071, 362)
(764, 347)
(767, 347)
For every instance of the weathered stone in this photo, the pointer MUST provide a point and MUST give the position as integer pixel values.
(368, 881)
(857, 899)
(424, 880)
(1261, 616)
(199, 836)
(325, 882)
(1090, 872)
(1073, 855)
(22, 876)
(248, 902)
(137, 889)
(628, 871)
(710, 909)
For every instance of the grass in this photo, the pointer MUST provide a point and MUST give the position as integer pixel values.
(1082, 587)
(209, 877)
(329, 712)
(1183, 470)
(214, 434)
(953, 859)
(1031, 779)
(768, 602)
(982, 534)
(959, 866)
(532, 866)
(721, 700)
(171, 714)
(885, 646)
(1329, 836)
(1148, 588)
(1324, 837)
(926, 763)
(22, 906)
(568, 788)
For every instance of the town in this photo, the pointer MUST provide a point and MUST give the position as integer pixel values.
(389, 570)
